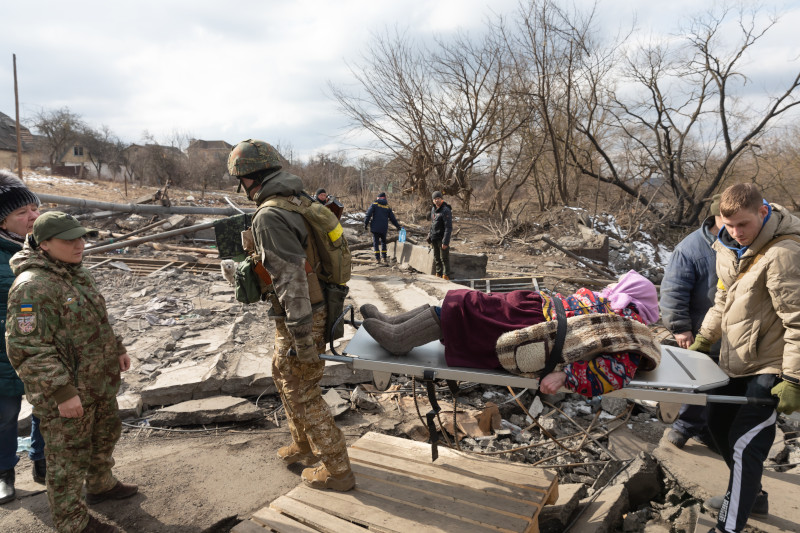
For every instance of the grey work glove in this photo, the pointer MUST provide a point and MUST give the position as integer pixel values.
(306, 349)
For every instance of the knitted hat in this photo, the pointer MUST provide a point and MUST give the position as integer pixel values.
(320, 191)
(13, 194)
(714, 209)
(436, 194)
(57, 225)
(382, 195)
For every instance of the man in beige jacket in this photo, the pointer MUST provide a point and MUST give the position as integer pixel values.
(756, 315)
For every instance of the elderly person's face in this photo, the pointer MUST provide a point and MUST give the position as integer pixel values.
(20, 221)
(70, 251)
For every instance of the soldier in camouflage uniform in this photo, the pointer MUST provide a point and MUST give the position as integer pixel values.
(280, 239)
(61, 344)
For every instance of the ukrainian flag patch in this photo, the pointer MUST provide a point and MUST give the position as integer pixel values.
(26, 308)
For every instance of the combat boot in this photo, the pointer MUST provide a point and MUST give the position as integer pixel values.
(320, 478)
(7, 492)
(96, 526)
(399, 339)
(296, 453)
(120, 491)
(39, 470)
(446, 277)
(370, 311)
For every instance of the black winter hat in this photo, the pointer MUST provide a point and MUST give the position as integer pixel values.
(13, 194)
(436, 194)
(320, 191)
(382, 195)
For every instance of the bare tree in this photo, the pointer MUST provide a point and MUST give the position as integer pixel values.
(60, 129)
(435, 113)
(678, 138)
(103, 147)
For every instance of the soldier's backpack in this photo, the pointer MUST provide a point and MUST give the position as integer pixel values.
(327, 253)
(327, 249)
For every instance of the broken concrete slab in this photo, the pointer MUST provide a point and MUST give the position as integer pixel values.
(336, 403)
(624, 443)
(554, 518)
(215, 410)
(182, 382)
(130, 405)
(604, 513)
(641, 478)
(248, 374)
(338, 374)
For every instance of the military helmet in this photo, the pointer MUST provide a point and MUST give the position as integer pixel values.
(251, 156)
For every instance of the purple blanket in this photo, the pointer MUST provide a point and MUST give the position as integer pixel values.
(472, 321)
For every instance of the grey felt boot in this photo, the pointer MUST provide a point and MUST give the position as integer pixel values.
(370, 311)
(399, 339)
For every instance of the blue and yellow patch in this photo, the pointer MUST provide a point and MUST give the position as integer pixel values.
(26, 308)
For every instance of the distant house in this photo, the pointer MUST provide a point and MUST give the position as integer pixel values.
(8, 143)
(208, 150)
(153, 163)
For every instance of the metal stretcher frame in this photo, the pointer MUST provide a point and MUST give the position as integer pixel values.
(682, 377)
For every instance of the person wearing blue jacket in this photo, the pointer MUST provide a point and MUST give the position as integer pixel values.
(377, 221)
(19, 207)
(687, 293)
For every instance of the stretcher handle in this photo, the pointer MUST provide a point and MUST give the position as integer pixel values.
(352, 322)
(772, 401)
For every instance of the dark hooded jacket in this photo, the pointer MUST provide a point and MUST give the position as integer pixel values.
(441, 223)
(378, 216)
(690, 282)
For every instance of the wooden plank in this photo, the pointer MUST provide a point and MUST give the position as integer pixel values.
(276, 521)
(535, 479)
(383, 515)
(103, 262)
(455, 502)
(249, 527)
(434, 473)
(308, 516)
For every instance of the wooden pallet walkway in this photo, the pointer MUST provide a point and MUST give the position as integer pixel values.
(398, 489)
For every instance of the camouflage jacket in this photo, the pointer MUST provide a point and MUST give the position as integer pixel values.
(57, 333)
(280, 237)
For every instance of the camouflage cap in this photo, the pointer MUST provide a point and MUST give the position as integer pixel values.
(57, 225)
(714, 209)
(251, 156)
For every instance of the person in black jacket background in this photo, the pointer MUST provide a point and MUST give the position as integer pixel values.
(439, 236)
(377, 221)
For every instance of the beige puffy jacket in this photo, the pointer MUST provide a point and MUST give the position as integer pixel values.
(758, 316)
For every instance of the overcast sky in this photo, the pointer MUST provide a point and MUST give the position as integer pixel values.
(233, 70)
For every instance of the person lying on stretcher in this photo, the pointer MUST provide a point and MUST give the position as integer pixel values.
(607, 335)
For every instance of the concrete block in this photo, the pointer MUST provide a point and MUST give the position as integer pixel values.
(554, 518)
(216, 410)
(338, 374)
(130, 405)
(420, 258)
(604, 514)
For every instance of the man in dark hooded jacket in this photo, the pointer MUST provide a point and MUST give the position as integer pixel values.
(377, 221)
(439, 236)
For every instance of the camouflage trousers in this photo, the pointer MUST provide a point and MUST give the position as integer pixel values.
(79, 449)
(310, 419)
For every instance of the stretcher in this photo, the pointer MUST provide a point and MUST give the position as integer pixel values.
(683, 377)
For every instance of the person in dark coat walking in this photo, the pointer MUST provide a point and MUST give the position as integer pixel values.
(439, 236)
(377, 221)
(687, 293)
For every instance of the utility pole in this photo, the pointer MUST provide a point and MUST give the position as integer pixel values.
(16, 103)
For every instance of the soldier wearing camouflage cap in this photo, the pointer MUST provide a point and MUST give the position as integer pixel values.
(281, 238)
(62, 345)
